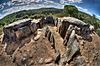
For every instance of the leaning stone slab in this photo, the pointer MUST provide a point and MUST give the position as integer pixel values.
(71, 38)
(72, 50)
(69, 53)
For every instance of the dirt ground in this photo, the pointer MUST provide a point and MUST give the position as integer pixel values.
(39, 52)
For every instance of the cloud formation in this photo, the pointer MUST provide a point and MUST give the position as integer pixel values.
(18, 5)
(13, 7)
(98, 16)
(73, 1)
(84, 10)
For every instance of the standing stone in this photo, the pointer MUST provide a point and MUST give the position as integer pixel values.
(67, 36)
(50, 20)
(33, 27)
(56, 22)
(71, 38)
(57, 57)
(16, 30)
(69, 53)
(46, 32)
(85, 32)
(52, 40)
(9, 35)
(42, 21)
(23, 32)
(64, 28)
(72, 50)
(58, 25)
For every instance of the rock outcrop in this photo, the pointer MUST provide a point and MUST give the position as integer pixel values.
(50, 42)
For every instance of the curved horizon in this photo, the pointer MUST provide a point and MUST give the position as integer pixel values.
(10, 6)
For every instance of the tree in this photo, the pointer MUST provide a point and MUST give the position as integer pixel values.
(71, 10)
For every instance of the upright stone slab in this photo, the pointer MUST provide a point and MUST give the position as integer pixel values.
(49, 20)
(16, 30)
(64, 28)
(58, 40)
(68, 33)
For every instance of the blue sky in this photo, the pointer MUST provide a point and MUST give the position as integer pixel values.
(10, 6)
(92, 5)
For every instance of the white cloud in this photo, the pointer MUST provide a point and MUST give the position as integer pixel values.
(84, 10)
(98, 16)
(4, 4)
(1, 16)
(26, 1)
(73, 1)
(1, 6)
(28, 7)
(88, 12)
(45, 4)
(9, 3)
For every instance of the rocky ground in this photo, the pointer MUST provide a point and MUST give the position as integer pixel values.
(89, 54)
(50, 47)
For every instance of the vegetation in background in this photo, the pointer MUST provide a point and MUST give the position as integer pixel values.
(69, 10)
(36, 13)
